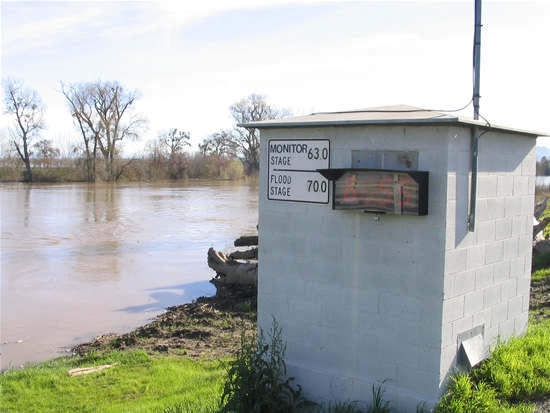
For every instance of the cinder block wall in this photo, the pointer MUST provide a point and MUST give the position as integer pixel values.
(488, 271)
(361, 301)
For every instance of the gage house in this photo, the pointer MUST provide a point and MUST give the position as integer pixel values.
(369, 257)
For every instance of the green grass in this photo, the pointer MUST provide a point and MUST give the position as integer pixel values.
(520, 369)
(139, 384)
(516, 372)
(540, 274)
(467, 396)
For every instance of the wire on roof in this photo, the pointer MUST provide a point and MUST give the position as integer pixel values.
(396, 110)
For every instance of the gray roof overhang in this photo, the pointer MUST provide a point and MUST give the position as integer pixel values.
(384, 116)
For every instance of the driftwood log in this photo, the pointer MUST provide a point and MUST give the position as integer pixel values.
(251, 254)
(230, 271)
(246, 241)
(239, 268)
(540, 208)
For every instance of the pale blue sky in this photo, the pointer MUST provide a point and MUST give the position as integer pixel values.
(191, 61)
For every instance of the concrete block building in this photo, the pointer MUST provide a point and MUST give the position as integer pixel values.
(371, 298)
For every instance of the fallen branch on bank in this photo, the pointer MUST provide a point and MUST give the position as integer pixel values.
(88, 370)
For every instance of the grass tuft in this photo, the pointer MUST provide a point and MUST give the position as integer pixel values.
(257, 379)
(520, 369)
(516, 372)
(467, 396)
(378, 404)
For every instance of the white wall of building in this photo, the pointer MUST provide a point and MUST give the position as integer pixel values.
(488, 272)
(363, 301)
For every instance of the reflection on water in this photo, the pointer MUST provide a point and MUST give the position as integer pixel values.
(79, 260)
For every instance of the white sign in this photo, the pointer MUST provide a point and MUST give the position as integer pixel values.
(292, 174)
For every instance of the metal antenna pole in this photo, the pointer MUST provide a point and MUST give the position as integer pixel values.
(477, 57)
(475, 132)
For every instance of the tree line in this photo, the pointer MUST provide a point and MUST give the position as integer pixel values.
(104, 115)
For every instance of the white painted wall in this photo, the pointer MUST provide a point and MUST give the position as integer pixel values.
(488, 272)
(361, 301)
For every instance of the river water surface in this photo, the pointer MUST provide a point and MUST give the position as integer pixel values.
(79, 260)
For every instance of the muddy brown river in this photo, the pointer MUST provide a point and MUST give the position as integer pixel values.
(79, 260)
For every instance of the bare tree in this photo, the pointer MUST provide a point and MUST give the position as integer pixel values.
(45, 151)
(81, 106)
(28, 111)
(104, 114)
(174, 142)
(247, 140)
(241, 142)
(253, 109)
(156, 158)
(219, 144)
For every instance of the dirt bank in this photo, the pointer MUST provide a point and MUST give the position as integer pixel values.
(539, 305)
(209, 327)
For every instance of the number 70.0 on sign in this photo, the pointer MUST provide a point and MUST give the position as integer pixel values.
(292, 170)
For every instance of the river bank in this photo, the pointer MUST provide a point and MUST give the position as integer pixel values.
(209, 327)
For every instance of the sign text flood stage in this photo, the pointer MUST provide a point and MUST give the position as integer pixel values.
(292, 170)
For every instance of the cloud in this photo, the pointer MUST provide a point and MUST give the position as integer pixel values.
(34, 26)
(192, 59)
